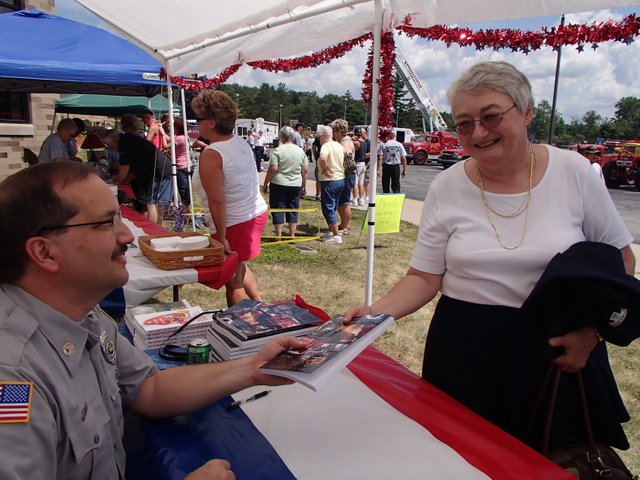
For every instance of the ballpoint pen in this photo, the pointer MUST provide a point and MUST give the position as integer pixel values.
(237, 403)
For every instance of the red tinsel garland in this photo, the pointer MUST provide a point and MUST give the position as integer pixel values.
(385, 104)
(196, 85)
(516, 40)
(312, 60)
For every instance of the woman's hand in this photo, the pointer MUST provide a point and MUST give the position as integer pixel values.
(354, 312)
(227, 247)
(577, 347)
(328, 173)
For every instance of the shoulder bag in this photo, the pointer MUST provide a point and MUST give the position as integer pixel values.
(589, 461)
(349, 163)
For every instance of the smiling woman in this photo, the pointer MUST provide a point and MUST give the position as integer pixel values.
(490, 226)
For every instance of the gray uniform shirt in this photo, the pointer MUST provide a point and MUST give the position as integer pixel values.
(392, 152)
(53, 147)
(75, 426)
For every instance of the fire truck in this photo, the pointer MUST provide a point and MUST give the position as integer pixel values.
(623, 168)
(430, 145)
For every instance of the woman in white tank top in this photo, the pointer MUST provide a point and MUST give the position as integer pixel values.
(227, 184)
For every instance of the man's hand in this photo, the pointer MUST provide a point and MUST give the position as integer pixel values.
(266, 353)
(577, 347)
(265, 189)
(213, 470)
(404, 173)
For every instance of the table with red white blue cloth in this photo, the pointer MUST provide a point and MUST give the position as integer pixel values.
(374, 420)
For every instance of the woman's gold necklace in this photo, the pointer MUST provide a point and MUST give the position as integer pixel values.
(523, 208)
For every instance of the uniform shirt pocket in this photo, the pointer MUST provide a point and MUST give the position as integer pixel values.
(90, 441)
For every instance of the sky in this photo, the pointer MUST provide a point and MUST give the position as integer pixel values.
(589, 80)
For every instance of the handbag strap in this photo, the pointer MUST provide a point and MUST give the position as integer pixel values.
(555, 372)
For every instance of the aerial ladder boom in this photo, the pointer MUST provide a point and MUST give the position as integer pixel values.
(419, 94)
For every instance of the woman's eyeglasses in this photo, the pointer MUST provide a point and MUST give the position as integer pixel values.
(114, 221)
(489, 121)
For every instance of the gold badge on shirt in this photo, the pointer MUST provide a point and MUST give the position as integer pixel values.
(108, 348)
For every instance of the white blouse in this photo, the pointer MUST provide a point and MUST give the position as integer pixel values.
(570, 204)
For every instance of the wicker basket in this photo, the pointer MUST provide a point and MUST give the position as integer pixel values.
(202, 257)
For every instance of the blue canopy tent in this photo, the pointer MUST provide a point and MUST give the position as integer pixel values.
(43, 53)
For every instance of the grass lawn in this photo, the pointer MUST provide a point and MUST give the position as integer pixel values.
(334, 279)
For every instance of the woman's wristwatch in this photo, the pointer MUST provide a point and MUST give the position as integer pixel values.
(598, 336)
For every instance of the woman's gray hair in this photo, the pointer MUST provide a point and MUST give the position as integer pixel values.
(325, 131)
(286, 134)
(340, 125)
(497, 76)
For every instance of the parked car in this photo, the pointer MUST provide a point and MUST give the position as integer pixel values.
(451, 156)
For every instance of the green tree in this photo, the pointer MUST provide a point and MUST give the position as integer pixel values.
(591, 123)
(448, 119)
(401, 102)
(628, 111)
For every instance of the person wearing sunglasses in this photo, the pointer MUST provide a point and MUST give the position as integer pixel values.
(490, 225)
(65, 370)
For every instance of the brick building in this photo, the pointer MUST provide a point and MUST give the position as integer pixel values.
(25, 119)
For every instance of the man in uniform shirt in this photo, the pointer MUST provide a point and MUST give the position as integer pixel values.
(391, 156)
(65, 371)
(258, 149)
(54, 147)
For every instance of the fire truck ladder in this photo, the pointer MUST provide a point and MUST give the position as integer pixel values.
(419, 94)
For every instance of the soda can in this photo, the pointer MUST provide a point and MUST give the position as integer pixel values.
(198, 351)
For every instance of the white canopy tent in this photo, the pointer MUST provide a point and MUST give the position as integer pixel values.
(205, 37)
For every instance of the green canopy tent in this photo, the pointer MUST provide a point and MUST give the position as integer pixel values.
(112, 105)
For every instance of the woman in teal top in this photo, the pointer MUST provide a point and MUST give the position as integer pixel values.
(287, 175)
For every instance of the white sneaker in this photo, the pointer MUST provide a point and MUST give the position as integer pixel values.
(361, 202)
(354, 202)
(326, 236)
(333, 239)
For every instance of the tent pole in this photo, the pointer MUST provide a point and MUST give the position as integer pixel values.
(53, 122)
(174, 174)
(373, 161)
(185, 128)
(555, 89)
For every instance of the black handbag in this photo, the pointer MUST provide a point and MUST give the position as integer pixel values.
(589, 461)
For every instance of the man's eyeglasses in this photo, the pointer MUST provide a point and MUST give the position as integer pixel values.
(489, 121)
(114, 221)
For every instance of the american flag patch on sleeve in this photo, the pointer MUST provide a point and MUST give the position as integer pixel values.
(15, 402)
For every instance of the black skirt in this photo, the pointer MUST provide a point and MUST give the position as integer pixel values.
(487, 358)
(467, 355)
